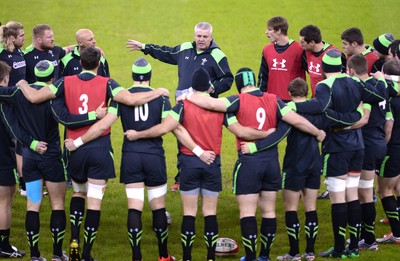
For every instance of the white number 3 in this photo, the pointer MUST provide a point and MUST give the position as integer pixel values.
(84, 99)
(260, 116)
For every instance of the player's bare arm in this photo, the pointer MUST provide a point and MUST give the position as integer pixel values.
(167, 125)
(136, 99)
(206, 102)
(95, 131)
(33, 95)
(248, 133)
(184, 137)
(303, 124)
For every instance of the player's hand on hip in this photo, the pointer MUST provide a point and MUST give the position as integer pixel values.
(244, 147)
(69, 144)
(101, 111)
(321, 135)
(208, 157)
(41, 147)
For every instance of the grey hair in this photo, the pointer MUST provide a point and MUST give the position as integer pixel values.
(203, 26)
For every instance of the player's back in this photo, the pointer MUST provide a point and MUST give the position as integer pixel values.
(204, 126)
(141, 118)
(83, 95)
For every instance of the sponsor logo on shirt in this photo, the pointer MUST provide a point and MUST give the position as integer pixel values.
(20, 64)
(279, 65)
(314, 68)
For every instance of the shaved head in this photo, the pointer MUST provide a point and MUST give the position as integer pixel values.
(85, 38)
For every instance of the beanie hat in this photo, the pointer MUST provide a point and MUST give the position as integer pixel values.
(243, 78)
(332, 61)
(382, 42)
(201, 80)
(141, 70)
(44, 71)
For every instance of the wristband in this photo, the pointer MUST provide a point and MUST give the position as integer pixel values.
(394, 78)
(198, 151)
(188, 96)
(78, 142)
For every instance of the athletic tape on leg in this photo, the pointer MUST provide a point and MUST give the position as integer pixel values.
(96, 191)
(335, 184)
(34, 191)
(135, 193)
(352, 181)
(157, 192)
(364, 184)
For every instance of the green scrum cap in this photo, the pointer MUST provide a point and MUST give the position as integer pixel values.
(332, 61)
(244, 77)
(382, 42)
(44, 70)
(141, 70)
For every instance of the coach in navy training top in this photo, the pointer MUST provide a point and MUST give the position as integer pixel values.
(189, 56)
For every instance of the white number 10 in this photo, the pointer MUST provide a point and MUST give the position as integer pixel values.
(260, 116)
(142, 112)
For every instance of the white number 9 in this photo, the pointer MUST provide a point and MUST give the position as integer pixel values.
(260, 116)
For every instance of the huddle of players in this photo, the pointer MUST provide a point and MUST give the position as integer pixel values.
(273, 65)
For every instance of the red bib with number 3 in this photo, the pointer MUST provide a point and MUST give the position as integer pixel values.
(82, 97)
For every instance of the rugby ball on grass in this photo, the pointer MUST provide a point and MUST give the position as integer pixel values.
(226, 247)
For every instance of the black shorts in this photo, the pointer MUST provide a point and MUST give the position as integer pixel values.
(94, 163)
(142, 167)
(341, 163)
(196, 174)
(390, 167)
(373, 157)
(8, 177)
(47, 169)
(253, 175)
(294, 180)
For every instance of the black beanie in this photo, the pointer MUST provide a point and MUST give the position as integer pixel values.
(382, 42)
(201, 80)
(243, 78)
(44, 71)
(332, 61)
(141, 70)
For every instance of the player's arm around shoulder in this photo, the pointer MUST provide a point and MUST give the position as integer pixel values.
(139, 98)
(301, 123)
(95, 131)
(37, 96)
